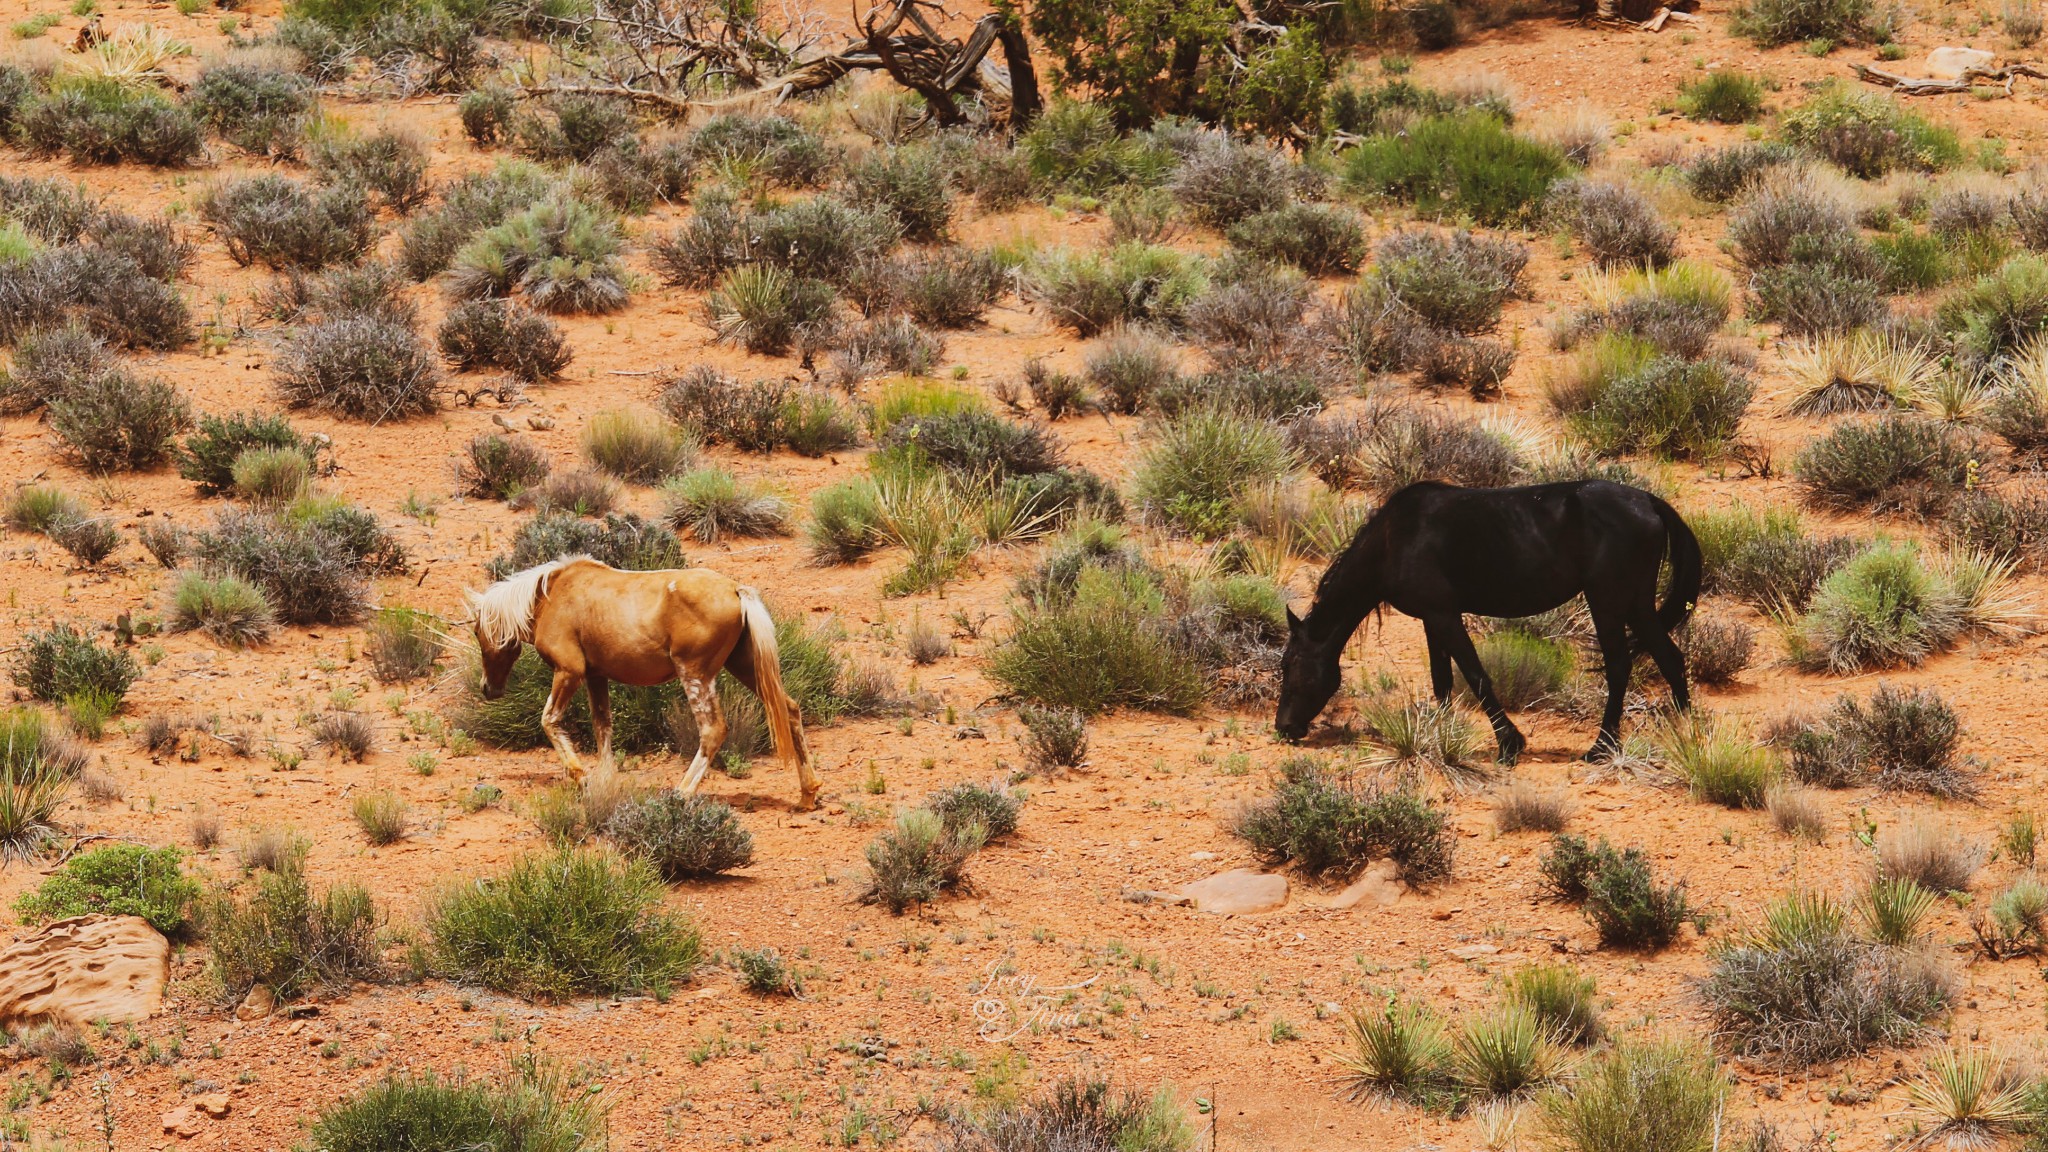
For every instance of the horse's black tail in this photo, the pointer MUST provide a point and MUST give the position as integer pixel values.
(1686, 565)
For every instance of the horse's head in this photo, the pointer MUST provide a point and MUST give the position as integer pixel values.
(497, 658)
(1310, 673)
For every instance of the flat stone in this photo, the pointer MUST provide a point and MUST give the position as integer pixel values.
(1474, 951)
(1237, 892)
(214, 1104)
(84, 969)
(182, 1122)
(1379, 886)
(1948, 62)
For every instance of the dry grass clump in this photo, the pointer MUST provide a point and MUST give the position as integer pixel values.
(1523, 806)
(1901, 739)
(1329, 822)
(1932, 855)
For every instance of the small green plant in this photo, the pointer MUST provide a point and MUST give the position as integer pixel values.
(535, 1109)
(764, 972)
(117, 880)
(227, 608)
(1643, 1095)
(1892, 909)
(1722, 97)
(381, 816)
(920, 858)
(1561, 998)
(1329, 823)
(273, 931)
(1467, 163)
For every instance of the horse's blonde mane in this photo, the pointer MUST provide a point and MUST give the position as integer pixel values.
(504, 611)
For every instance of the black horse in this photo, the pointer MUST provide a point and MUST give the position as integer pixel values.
(1436, 552)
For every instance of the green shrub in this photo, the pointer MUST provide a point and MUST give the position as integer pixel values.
(710, 503)
(261, 110)
(282, 224)
(117, 880)
(1453, 281)
(2002, 310)
(208, 456)
(1892, 462)
(272, 931)
(532, 1112)
(359, 367)
(100, 120)
(1666, 406)
(1131, 283)
(1329, 823)
(1618, 892)
(774, 146)
(556, 925)
(1222, 180)
(1720, 763)
(1774, 22)
(500, 468)
(1722, 97)
(560, 253)
(683, 837)
(1561, 997)
(1463, 164)
(844, 522)
(1903, 739)
(481, 200)
(991, 806)
(89, 541)
(1868, 133)
(1074, 1113)
(1105, 644)
(1076, 147)
(37, 764)
(919, 859)
(1527, 670)
(480, 334)
(308, 571)
(42, 508)
(1397, 1051)
(1887, 607)
(1054, 738)
(765, 309)
(1319, 239)
(61, 662)
(114, 421)
(908, 183)
(972, 444)
(1201, 462)
(227, 608)
(402, 644)
(1642, 1096)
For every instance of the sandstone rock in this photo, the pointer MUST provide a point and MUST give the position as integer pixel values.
(1948, 63)
(1237, 892)
(257, 1004)
(1379, 886)
(182, 1122)
(1474, 951)
(86, 968)
(214, 1104)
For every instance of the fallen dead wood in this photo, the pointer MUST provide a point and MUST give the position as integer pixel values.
(1971, 78)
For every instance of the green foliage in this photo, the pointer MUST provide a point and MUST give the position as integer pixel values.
(116, 880)
(1076, 147)
(1618, 891)
(1869, 133)
(1131, 283)
(920, 858)
(209, 454)
(2002, 310)
(227, 608)
(1468, 164)
(637, 447)
(114, 421)
(270, 930)
(261, 110)
(1641, 1096)
(562, 924)
(1107, 643)
(992, 806)
(283, 224)
(60, 662)
(1774, 22)
(1722, 97)
(1892, 462)
(533, 1112)
(1665, 405)
(1319, 239)
(100, 120)
(1201, 462)
(1562, 998)
(1327, 822)
(1397, 1051)
(1885, 608)
(683, 837)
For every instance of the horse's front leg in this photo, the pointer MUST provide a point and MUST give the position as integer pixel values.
(601, 722)
(702, 693)
(1439, 662)
(564, 690)
(1508, 739)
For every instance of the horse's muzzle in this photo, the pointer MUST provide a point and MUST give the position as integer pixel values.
(493, 691)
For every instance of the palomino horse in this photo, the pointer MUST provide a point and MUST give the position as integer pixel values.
(594, 624)
(1436, 551)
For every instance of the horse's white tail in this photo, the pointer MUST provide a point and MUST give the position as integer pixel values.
(785, 717)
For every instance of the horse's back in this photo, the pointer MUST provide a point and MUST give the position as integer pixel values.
(630, 624)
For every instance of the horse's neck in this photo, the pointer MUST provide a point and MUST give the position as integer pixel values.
(1348, 593)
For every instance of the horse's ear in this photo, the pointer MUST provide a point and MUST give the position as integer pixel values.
(1293, 621)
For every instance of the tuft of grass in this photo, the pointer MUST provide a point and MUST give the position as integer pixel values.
(1528, 671)
(227, 608)
(1722, 97)
(535, 1110)
(1467, 163)
(1524, 807)
(1901, 739)
(921, 857)
(273, 931)
(637, 447)
(1797, 812)
(1892, 908)
(711, 503)
(765, 973)
(1054, 738)
(347, 735)
(402, 644)
(1655, 1095)
(1131, 283)
(561, 924)
(381, 816)
(40, 508)
(1506, 1053)
(1890, 607)
(991, 806)
(1720, 763)
(1971, 1099)
(1201, 462)
(1327, 822)
(1423, 733)
(1932, 855)
(1562, 999)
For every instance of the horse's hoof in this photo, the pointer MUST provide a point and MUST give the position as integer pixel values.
(1507, 757)
(1602, 750)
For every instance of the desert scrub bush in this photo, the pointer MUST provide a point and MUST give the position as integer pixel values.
(1869, 133)
(844, 523)
(208, 455)
(909, 183)
(1562, 998)
(884, 346)
(1419, 733)
(1223, 180)
(2001, 311)
(481, 334)
(561, 254)
(711, 503)
(816, 238)
(1617, 891)
(281, 223)
(346, 735)
(1102, 642)
(1077, 1112)
(40, 508)
(1792, 215)
(381, 816)
(1654, 1095)
(919, 859)
(1617, 224)
(1330, 822)
(1931, 854)
(1769, 558)
(359, 368)
(993, 806)
(1678, 308)
(117, 880)
(227, 608)
(1894, 462)
(1054, 738)
(1405, 445)
(1722, 97)
(1800, 988)
(1200, 463)
(2018, 413)
(1901, 739)
(1626, 398)
(1716, 649)
(1076, 147)
(309, 571)
(48, 363)
(940, 287)
(683, 837)
(621, 539)
(1319, 239)
(429, 241)
(1130, 368)
(637, 447)
(261, 110)
(775, 147)
(1726, 174)
(1527, 670)
(402, 643)
(1860, 371)
(116, 422)
(760, 416)
(1891, 607)
(271, 930)
(498, 467)
(970, 444)
(1455, 281)
(562, 924)
(60, 662)
(1131, 283)
(1719, 761)
(1467, 164)
(533, 1111)
(766, 309)
(100, 120)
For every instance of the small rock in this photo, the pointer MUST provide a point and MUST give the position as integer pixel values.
(1474, 951)
(1201, 857)
(1379, 886)
(214, 1104)
(256, 1005)
(1147, 896)
(1444, 913)
(1237, 892)
(1949, 62)
(540, 423)
(182, 1122)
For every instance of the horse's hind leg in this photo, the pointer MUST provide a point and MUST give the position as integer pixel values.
(741, 665)
(1458, 643)
(702, 694)
(1439, 662)
(1670, 659)
(563, 691)
(1614, 652)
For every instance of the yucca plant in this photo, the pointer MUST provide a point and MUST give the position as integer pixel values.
(1394, 1050)
(1562, 998)
(1428, 734)
(37, 764)
(1506, 1053)
(1892, 908)
(1973, 1098)
(1859, 371)
(1797, 918)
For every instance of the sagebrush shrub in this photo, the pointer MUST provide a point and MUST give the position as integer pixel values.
(393, 164)
(919, 859)
(1200, 462)
(1131, 283)
(500, 468)
(1902, 739)
(311, 570)
(2002, 310)
(1455, 281)
(560, 253)
(1224, 180)
(113, 421)
(1866, 132)
(273, 931)
(1644, 1096)
(1722, 97)
(1616, 223)
(683, 837)
(361, 368)
(227, 608)
(259, 109)
(620, 539)
(1895, 462)
(910, 184)
(1319, 239)
(100, 120)
(429, 241)
(279, 222)
(534, 1110)
(207, 457)
(775, 146)
(480, 334)
(1325, 822)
